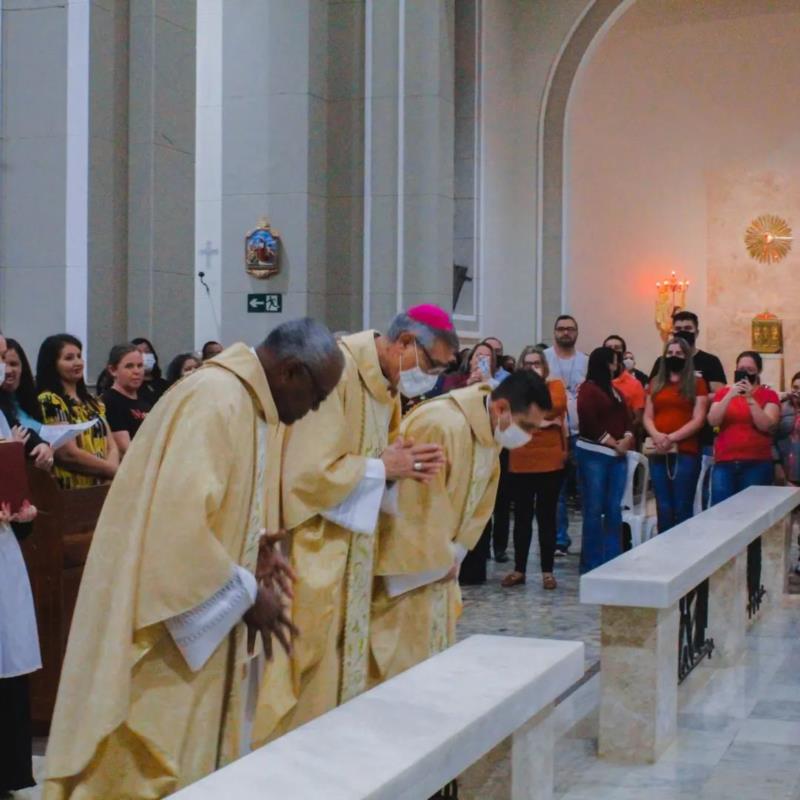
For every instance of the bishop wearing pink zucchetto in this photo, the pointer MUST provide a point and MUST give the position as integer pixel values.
(339, 463)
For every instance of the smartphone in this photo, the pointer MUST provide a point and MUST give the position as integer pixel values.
(740, 375)
(483, 364)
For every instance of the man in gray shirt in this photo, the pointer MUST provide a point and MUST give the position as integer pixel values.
(568, 365)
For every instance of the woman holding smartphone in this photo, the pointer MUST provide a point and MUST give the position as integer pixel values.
(747, 415)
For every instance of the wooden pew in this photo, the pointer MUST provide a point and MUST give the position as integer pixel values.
(55, 554)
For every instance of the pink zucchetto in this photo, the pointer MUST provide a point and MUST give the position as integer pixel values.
(432, 316)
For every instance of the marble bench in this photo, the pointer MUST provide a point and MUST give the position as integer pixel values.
(412, 735)
(640, 592)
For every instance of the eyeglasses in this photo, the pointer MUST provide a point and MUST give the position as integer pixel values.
(570, 329)
(531, 364)
(436, 367)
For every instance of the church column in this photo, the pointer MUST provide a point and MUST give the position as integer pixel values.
(408, 256)
(33, 173)
(161, 173)
(273, 157)
(62, 184)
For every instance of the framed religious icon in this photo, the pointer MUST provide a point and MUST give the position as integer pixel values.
(262, 251)
(767, 333)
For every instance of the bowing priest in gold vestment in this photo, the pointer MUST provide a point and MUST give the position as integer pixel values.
(337, 465)
(159, 685)
(417, 599)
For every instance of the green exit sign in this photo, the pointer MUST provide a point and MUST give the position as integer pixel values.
(265, 303)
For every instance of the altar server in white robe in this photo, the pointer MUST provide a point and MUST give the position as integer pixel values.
(19, 641)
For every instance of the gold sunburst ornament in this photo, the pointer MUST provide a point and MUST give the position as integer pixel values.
(768, 239)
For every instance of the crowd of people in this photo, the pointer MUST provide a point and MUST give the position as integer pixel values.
(681, 415)
(363, 451)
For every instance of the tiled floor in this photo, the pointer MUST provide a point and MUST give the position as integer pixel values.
(738, 732)
(739, 729)
(529, 610)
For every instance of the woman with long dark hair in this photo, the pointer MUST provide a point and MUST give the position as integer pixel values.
(19, 384)
(18, 404)
(605, 436)
(747, 415)
(93, 457)
(674, 415)
(182, 365)
(154, 384)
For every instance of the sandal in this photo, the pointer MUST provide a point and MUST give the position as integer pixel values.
(549, 582)
(513, 579)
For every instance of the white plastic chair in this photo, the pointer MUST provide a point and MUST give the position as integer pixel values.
(707, 462)
(634, 514)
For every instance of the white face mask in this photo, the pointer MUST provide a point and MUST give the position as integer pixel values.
(2, 371)
(629, 363)
(512, 437)
(149, 361)
(414, 382)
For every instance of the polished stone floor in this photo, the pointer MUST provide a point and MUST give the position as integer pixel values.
(738, 737)
(529, 610)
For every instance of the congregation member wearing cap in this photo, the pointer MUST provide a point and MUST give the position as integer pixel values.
(338, 463)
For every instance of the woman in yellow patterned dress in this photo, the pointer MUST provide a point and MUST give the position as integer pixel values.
(93, 457)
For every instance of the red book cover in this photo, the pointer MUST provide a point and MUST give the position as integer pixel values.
(13, 475)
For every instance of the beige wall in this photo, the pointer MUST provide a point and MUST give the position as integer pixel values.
(681, 128)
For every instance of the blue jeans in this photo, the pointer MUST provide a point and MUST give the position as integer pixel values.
(563, 540)
(730, 477)
(674, 484)
(602, 481)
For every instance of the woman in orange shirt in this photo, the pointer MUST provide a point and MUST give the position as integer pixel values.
(676, 408)
(536, 471)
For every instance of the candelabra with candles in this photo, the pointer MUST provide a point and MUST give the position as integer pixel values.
(670, 297)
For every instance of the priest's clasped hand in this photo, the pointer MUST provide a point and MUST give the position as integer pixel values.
(404, 459)
(272, 566)
(268, 615)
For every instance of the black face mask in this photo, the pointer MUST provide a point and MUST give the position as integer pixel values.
(687, 336)
(675, 363)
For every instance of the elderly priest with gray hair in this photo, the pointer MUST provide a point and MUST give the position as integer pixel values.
(161, 676)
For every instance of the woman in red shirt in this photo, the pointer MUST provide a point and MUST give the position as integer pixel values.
(746, 414)
(674, 414)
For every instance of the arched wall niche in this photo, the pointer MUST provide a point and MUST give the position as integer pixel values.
(675, 132)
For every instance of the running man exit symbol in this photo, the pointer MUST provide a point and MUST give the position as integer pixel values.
(265, 303)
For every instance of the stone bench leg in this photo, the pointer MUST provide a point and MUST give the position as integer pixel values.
(775, 560)
(639, 674)
(520, 768)
(727, 612)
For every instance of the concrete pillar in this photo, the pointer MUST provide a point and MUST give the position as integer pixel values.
(273, 156)
(727, 612)
(33, 171)
(775, 560)
(63, 184)
(639, 701)
(519, 768)
(408, 216)
(161, 173)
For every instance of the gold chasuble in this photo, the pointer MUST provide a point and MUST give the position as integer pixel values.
(132, 720)
(326, 467)
(414, 613)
